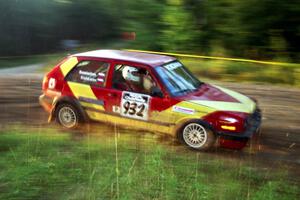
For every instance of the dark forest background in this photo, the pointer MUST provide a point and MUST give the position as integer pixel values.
(258, 29)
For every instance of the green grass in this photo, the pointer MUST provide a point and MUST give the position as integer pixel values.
(244, 72)
(52, 165)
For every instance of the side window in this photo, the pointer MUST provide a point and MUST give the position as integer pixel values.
(90, 72)
(133, 79)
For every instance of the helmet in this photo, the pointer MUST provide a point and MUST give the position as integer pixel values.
(128, 74)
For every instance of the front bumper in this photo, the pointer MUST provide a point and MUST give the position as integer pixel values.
(253, 125)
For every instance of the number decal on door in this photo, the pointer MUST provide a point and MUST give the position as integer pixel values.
(134, 108)
(135, 105)
(141, 110)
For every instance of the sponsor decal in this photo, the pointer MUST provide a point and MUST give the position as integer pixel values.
(183, 110)
(134, 105)
(101, 74)
(91, 76)
(88, 79)
(100, 80)
(101, 77)
(173, 66)
(135, 97)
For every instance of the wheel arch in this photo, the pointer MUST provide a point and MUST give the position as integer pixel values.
(211, 135)
(69, 100)
(185, 122)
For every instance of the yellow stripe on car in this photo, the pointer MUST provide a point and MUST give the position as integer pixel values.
(177, 117)
(249, 105)
(85, 91)
(68, 65)
(225, 106)
(82, 90)
(126, 121)
(92, 105)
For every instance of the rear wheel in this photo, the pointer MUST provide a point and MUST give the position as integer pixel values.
(197, 136)
(67, 116)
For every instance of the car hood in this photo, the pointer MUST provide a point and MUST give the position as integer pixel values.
(221, 99)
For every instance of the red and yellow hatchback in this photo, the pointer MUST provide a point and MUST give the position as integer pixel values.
(148, 92)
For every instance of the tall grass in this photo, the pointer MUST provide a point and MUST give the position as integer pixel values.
(244, 72)
(52, 165)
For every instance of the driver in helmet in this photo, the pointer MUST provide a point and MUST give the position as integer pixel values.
(137, 80)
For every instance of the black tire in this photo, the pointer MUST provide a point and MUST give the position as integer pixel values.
(197, 135)
(68, 116)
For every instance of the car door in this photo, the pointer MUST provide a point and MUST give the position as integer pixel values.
(131, 102)
(87, 82)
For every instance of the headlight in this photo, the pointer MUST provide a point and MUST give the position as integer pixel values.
(226, 121)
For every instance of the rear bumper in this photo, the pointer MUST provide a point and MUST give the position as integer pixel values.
(46, 102)
(253, 126)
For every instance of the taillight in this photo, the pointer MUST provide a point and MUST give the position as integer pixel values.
(45, 83)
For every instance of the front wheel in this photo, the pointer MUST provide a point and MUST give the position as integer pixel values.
(197, 136)
(67, 116)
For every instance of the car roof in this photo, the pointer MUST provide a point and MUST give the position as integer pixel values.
(122, 55)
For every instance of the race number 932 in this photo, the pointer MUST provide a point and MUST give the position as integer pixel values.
(135, 105)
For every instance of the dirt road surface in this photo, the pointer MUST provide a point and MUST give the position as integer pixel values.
(22, 70)
(279, 141)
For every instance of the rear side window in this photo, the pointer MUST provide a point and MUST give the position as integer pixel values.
(90, 72)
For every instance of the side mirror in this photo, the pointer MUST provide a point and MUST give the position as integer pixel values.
(156, 92)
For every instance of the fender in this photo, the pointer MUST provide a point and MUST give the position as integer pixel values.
(178, 128)
(70, 100)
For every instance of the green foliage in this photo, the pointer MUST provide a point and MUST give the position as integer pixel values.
(179, 31)
(142, 17)
(270, 27)
(59, 166)
(260, 29)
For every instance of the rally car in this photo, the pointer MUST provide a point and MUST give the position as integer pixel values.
(149, 92)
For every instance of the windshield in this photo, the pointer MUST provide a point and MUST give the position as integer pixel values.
(177, 79)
